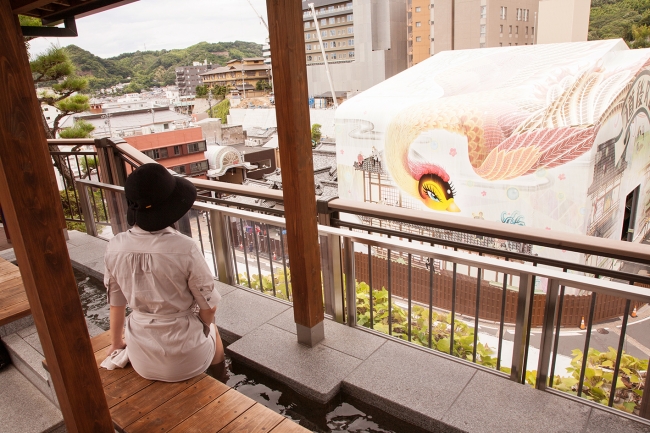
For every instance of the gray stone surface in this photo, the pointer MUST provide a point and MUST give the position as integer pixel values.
(35, 342)
(23, 408)
(27, 331)
(25, 357)
(242, 311)
(313, 372)
(351, 341)
(93, 329)
(601, 421)
(77, 238)
(491, 403)
(223, 288)
(410, 384)
(16, 325)
(9, 255)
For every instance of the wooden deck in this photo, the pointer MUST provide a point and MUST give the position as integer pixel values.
(13, 300)
(200, 404)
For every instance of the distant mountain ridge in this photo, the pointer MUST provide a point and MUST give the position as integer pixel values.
(154, 68)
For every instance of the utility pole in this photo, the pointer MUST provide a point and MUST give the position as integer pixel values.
(210, 102)
(453, 23)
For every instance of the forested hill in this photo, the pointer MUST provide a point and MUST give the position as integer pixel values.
(627, 19)
(154, 68)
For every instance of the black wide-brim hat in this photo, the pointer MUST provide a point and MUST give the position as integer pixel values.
(156, 198)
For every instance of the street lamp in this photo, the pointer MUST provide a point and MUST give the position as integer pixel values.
(107, 121)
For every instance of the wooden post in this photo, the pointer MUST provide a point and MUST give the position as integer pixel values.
(31, 204)
(292, 111)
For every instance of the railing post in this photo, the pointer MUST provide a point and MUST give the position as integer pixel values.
(331, 265)
(522, 328)
(221, 239)
(350, 289)
(111, 170)
(546, 345)
(86, 209)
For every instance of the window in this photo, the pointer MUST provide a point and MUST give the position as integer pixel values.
(308, 47)
(177, 150)
(324, 33)
(350, 18)
(46, 109)
(180, 169)
(325, 45)
(501, 28)
(332, 20)
(350, 30)
(418, 39)
(516, 43)
(196, 147)
(351, 42)
(341, 43)
(157, 153)
(526, 14)
(334, 55)
(332, 32)
(196, 167)
(418, 24)
(309, 58)
(519, 14)
(483, 11)
(166, 126)
(320, 58)
(333, 44)
(504, 12)
(351, 54)
(526, 29)
(516, 30)
(500, 44)
(307, 24)
(331, 8)
(510, 29)
(338, 19)
(308, 36)
(482, 45)
(482, 29)
(418, 9)
(532, 30)
(323, 22)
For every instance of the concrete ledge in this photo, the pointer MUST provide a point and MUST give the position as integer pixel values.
(16, 325)
(601, 421)
(28, 361)
(313, 372)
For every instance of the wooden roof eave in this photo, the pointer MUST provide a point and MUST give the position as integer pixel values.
(52, 12)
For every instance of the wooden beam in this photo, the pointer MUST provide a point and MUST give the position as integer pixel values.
(23, 6)
(32, 206)
(292, 111)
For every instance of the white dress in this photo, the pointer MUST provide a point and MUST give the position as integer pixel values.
(163, 277)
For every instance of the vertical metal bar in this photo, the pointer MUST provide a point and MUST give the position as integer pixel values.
(350, 290)
(91, 227)
(245, 244)
(619, 354)
(218, 227)
(556, 340)
(332, 268)
(431, 272)
(74, 187)
(198, 228)
(390, 297)
(410, 296)
(585, 354)
(546, 344)
(453, 308)
(522, 329)
(529, 327)
(502, 320)
(284, 265)
(372, 316)
(257, 255)
(214, 252)
(232, 246)
(478, 304)
(268, 243)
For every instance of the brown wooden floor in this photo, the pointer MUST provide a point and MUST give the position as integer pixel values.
(201, 404)
(13, 300)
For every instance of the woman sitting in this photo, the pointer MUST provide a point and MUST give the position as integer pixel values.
(163, 277)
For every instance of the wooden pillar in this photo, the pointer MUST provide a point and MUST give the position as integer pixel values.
(31, 205)
(294, 136)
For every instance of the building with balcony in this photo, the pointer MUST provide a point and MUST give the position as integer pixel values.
(240, 75)
(419, 25)
(189, 77)
(364, 42)
(181, 151)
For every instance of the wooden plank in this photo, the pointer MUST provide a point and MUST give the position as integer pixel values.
(217, 414)
(143, 402)
(14, 312)
(101, 341)
(124, 388)
(256, 419)
(13, 297)
(109, 376)
(288, 426)
(180, 407)
(33, 212)
(286, 30)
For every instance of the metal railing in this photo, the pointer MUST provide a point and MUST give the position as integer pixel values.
(495, 304)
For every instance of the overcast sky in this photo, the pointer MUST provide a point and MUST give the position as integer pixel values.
(164, 24)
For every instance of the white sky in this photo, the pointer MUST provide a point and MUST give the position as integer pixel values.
(164, 24)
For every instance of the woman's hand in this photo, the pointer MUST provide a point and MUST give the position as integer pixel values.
(116, 346)
(207, 315)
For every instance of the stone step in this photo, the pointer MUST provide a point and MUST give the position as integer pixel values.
(23, 407)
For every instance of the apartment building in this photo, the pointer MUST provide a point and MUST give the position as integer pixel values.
(188, 77)
(182, 151)
(441, 25)
(238, 74)
(364, 42)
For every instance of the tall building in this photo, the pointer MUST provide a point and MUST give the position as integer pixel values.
(188, 77)
(441, 25)
(237, 72)
(364, 42)
(563, 21)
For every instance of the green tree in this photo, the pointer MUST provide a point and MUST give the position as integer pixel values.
(88, 166)
(641, 35)
(201, 91)
(221, 111)
(315, 133)
(80, 129)
(262, 85)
